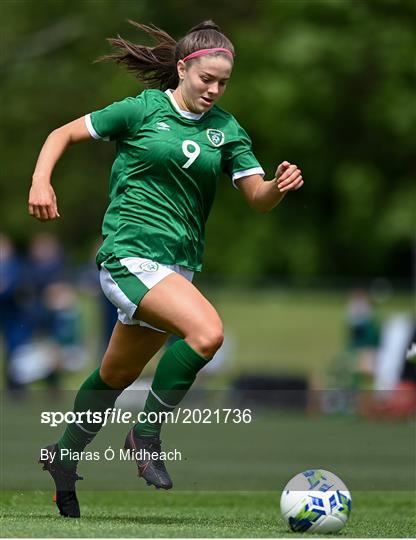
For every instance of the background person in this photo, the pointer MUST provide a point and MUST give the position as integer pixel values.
(14, 327)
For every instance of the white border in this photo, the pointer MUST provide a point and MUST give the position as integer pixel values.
(185, 114)
(247, 172)
(90, 127)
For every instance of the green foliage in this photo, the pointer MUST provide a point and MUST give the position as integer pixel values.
(326, 84)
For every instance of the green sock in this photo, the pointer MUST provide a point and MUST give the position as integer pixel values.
(174, 376)
(94, 395)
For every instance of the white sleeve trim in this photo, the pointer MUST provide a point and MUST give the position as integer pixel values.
(90, 127)
(247, 172)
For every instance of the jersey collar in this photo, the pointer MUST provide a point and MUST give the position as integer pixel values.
(185, 114)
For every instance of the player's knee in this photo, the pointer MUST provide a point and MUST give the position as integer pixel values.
(117, 378)
(208, 340)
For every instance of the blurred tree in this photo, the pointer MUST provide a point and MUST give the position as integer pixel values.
(326, 84)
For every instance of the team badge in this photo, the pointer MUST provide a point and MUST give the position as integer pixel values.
(149, 266)
(215, 136)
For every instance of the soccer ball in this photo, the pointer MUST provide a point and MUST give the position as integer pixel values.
(316, 501)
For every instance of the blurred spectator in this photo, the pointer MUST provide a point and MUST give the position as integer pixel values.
(363, 337)
(65, 325)
(13, 328)
(396, 338)
(395, 377)
(354, 366)
(45, 264)
(39, 314)
(89, 279)
(59, 346)
(46, 260)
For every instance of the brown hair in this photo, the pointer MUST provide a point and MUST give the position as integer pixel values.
(156, 66)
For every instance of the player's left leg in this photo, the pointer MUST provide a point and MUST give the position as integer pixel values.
(129, 350)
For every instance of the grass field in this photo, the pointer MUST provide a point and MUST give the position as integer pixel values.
(192, 514)
(272, 332)
(375, 459)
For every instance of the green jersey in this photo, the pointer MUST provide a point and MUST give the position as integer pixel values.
(164, 177)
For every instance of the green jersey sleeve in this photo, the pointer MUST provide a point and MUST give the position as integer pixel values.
(238, 157)
(119, 120)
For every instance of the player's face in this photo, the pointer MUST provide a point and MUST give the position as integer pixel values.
(204, 81)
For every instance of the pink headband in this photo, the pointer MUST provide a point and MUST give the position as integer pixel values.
(202, 52)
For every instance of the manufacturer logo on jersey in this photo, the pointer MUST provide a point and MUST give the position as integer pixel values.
(149, 266)
(215, 136)
(163, 126)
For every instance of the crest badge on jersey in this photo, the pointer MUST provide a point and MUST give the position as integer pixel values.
(149, 266)
(215, 136)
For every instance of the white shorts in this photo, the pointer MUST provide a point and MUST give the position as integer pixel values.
(126, 281)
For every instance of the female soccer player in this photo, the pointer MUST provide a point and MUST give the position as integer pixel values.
(172, 144)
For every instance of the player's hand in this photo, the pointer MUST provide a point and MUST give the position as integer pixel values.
(42, 202)
(288, 177)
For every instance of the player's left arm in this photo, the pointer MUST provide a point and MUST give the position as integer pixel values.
(264, 195)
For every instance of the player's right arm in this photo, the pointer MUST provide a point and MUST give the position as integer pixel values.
(116, 120)
(42, 199)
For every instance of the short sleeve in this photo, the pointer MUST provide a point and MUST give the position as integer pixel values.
(238, 158)
(120, 119)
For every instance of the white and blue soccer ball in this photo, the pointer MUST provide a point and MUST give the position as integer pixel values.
(316, 501)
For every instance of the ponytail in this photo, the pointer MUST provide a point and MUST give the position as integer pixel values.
(156, 66)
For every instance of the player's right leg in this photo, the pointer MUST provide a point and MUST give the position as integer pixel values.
(172, 305)
(162, 297)
(129, 350)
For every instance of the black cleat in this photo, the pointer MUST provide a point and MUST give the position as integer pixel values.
(152, 470)
(66, 497)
